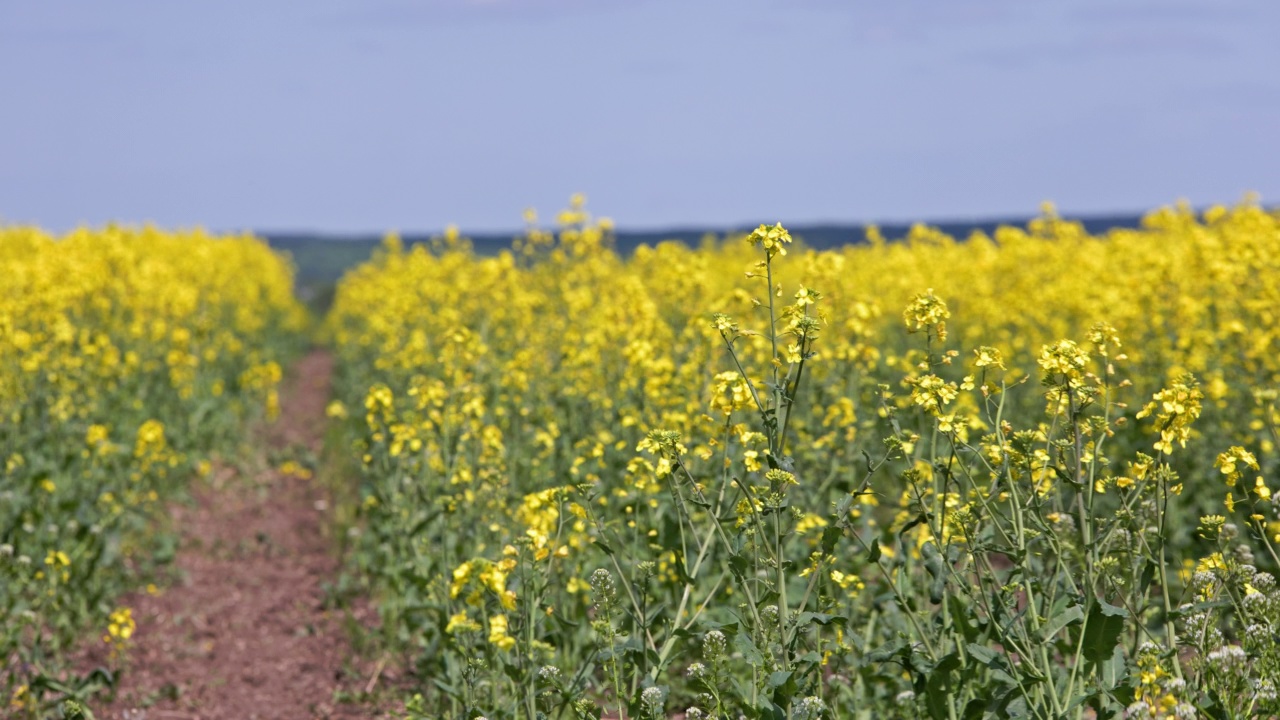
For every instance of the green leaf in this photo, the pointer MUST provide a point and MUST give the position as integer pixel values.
(1148, 573)
(1213, 708)
(728, 628)
(937, 590)
(936, 566)
(938, 691)
(812, 660)
(984, 655)
(1113, 671)
(1001, 670)
(999, 704)
(1102, 632)
(966, 622)
(445, 688)
(783, 686)
(742, 643)
(769, 711)
(830, 536)
(885, 652)
(873, 553)
(922, 517)
(821, 618)
(1068, 616)
(514, 672)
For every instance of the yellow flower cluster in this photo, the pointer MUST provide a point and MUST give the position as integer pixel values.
(120, 627)
(1175, 409)
(477, 576)
(650, 393)
(126, 356)
(523, 340)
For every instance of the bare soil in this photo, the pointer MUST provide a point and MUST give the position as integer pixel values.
(246, 632)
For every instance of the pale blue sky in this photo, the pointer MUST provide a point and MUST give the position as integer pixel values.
(364, 115)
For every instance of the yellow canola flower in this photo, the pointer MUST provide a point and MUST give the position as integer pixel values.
(1175, 408)
(120, 626)
(498, 633)
(773, 238)
(652, 376)
(460, 623)
(1233, 462)
(1261, 490)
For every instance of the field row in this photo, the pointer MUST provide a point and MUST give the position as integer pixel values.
(1025, 475)
(1018, 475)
(127, 359)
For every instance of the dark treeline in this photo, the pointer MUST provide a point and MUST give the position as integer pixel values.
(322, 259)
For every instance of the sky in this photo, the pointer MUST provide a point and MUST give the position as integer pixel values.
(344, 116)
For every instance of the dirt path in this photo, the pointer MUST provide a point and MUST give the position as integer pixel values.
(245, 634)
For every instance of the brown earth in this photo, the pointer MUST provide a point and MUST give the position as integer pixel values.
(245, 632)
